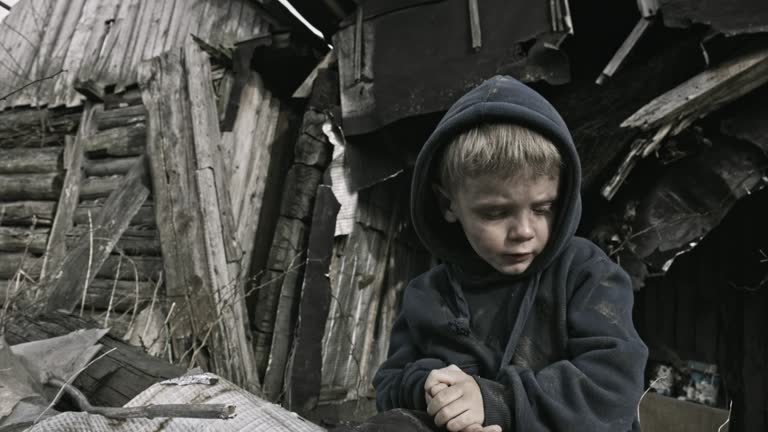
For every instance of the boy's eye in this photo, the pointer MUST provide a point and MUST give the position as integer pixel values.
(492, 214)
(543, 210)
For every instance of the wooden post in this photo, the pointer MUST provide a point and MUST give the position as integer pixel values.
(172, 167)
(217, 221)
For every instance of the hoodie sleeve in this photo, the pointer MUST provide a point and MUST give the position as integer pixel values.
(399, 382)
(599, 386)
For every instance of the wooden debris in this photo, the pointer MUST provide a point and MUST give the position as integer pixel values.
(474, 25)
(109, 166)
(146, 411)
(640, 28)
(66, 283)
(113, 380)
(704, 93)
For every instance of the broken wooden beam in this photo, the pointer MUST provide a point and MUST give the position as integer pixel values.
(66, 282)
(704, 93)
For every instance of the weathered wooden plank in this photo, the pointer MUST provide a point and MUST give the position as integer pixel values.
(31, 160)
(251, 197)
(112, 381)
(94, 249)
(240, 143)
(27, 212)
(171, 153)
(109, 166)
(70, 193)
(99, 187)
(119, 117)
(116, 46)
(124, 141)
(144, 217)
(163, 29)
(218, 224)
(55, 91)
(304, 369)
(205, 124)
(76, 46)
(97, 32)
(19, 239)
(705, 92)
(53, 25)
(29, 186)
(145, 242)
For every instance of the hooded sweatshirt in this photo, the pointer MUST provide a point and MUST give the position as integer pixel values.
(572, 359)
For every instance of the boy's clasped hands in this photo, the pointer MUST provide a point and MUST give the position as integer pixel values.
(454, 401)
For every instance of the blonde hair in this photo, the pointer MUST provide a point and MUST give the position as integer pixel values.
(500, 149)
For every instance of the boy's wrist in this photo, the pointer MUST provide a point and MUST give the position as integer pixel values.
(497, 403)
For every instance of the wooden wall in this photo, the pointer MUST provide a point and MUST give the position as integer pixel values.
(61, 41)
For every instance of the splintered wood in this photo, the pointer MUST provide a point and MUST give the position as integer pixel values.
(193, 204)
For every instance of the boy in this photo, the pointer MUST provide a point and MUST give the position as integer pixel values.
(524, 327)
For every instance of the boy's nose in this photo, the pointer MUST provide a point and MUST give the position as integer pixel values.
(520, 230)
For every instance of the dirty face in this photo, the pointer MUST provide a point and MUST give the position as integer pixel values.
(506, 220)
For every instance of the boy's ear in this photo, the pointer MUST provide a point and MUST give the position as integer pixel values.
(444, 201)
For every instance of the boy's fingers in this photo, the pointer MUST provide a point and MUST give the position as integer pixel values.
(437, 388)
(442, 399)
(473, 428)
(448, 413)
(462, 421)
(445, 376)
(492, 428)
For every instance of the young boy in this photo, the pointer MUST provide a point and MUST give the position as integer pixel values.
(524, 327)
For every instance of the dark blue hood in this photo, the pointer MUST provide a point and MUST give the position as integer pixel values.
(499, 99)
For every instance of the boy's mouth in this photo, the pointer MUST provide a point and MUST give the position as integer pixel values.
(517, 257)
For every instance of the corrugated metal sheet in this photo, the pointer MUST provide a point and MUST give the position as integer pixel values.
(104, 40)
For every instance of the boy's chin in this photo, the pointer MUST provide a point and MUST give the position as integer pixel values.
(512, 269)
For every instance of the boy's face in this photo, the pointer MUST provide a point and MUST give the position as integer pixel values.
(506, 220)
